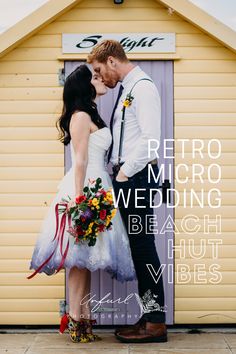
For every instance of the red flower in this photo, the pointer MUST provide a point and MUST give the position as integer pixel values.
(103, 214)
(103, 192)
(80, 230)
(101, 228)
(80, 199)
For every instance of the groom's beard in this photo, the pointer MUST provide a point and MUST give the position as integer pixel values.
(111, 85)
(111, 82)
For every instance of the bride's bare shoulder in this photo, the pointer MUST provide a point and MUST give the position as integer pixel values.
(80, 119)
(80, 123)
(80, 115)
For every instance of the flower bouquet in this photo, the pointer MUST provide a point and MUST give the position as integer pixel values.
(90, 213)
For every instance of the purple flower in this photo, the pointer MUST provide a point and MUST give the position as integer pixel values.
(87, 214)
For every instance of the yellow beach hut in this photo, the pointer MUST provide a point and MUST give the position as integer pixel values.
(32, 64)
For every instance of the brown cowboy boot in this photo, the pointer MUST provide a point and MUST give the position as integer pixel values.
(131, 328)
(151, 332)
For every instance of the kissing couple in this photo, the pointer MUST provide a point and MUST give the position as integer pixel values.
(135, 119)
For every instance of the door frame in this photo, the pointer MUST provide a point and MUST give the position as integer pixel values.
(165, 88)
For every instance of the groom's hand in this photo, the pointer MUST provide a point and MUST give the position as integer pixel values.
(121, 177)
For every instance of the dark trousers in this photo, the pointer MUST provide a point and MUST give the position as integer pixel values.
(142, 245)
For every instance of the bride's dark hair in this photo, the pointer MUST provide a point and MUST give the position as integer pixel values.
(78, 95)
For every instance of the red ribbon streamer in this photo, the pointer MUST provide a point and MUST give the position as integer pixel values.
(59, 236)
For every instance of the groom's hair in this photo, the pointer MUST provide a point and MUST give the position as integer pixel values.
(105, 49)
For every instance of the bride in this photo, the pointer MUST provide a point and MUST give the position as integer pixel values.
(81, 125)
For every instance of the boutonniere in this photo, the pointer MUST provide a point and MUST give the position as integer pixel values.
(128, 100)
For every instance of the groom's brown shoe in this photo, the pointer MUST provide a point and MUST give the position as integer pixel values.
(151, 332)
(124, 330)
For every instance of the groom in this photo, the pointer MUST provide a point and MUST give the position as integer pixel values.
(130, 159)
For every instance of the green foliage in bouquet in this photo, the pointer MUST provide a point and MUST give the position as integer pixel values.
(91, 213)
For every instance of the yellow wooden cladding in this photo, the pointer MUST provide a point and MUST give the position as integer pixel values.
(21, 279)
(40, 106)
(25, 213)
(27, 120)
(206, 106)
(226, 278)
(201, 79)
(30, 67)
(38, 146)
(205, 119)
(26, 305)
(31, 292)
(196, 304)
(206, 160)
(228, 264)
(226, 225)
(199, 317)
(32, 158)
(205, 66)
(17, 239)
(130, 5)
(31, 93)
(31, 173)
(29, 80)
(204, 93)
(34, 318)
(18, 186)
(205, 291)
(29, 133)
(228, 145)
(226, 198)
(139, 14)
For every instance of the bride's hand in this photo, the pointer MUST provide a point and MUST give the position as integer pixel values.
(71, 204)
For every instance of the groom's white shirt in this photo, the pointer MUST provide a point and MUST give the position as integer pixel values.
(142, 122)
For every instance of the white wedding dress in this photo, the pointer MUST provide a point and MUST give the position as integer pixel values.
(111, 251)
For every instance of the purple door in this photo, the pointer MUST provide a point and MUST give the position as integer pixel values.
(103, 287)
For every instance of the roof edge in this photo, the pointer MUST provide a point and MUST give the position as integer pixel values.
(33, 23)
(206, 22)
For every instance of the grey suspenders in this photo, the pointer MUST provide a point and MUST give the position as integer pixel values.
(123, 119)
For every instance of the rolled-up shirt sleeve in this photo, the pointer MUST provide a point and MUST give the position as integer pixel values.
(147, 106)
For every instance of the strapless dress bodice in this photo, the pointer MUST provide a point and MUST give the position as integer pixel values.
(99, 143)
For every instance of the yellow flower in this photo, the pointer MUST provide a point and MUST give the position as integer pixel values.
(95, 201)
(88, 232)
(109, 196)
(126, 103)
(113, 213)
(108, 219)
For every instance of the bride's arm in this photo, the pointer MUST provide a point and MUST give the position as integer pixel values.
(80, 131)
